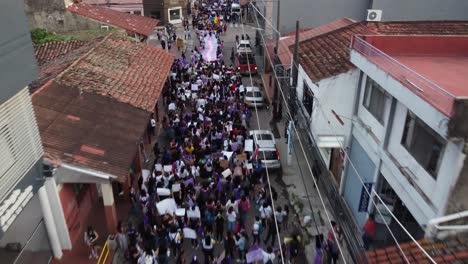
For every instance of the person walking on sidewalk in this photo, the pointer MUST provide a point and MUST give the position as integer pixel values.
(271, 232)
(90, 238)
(369, 231)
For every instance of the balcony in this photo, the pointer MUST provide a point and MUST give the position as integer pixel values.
(426, 55)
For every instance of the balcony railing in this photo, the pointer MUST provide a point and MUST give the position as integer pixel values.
(418, 84)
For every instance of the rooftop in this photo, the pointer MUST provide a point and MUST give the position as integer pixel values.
(133, 23)
(287, 40)
(327, 54)
(453, 250)
(52, 50)
(88, 130)
(128, 72)
(433, 67)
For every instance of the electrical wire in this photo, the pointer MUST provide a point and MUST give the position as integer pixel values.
(264, 158)
(359, 176)
(308, 164)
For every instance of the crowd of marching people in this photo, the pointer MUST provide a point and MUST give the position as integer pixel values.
(204, 189)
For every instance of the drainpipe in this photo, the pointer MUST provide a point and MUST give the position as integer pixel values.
(434, 225)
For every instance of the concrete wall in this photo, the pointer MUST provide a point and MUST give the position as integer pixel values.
(424, 196)
(422, 9)
(17, 63)
(51, 15)
(313, 13)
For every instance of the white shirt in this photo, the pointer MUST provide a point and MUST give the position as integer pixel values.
(265, 212)
(232, 216)
(172, 106)
(153, 122)
(268, 256)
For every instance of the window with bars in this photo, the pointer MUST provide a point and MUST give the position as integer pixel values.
(423, 143)
(308, 99)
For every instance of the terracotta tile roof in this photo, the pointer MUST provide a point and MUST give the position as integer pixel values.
(52, 50)
(132, 73)
(327, 55)
(88, 130)
(134, 23)
(420, 27)
(453, 250)
(51, 67)
(287, 40)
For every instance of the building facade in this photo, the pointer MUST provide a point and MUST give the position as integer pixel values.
(168, 11)
(134, 7)
(401, 147)
(26, 229)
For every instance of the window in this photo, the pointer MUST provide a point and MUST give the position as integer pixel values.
(374, 99)
(174, 14)
(424, 144)
(8, 159)
(308, 99)
(137, 13)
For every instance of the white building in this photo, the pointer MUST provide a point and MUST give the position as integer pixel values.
(401, 146)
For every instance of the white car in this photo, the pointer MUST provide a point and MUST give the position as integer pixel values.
(253, 96)
(263, 138)
(244, 47)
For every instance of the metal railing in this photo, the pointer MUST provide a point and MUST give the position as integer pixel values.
(418, 84)
(104, 253)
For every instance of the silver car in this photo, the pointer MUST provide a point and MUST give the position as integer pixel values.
(253, 97)
(265, 149)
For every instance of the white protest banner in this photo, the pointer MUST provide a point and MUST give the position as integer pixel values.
(167, 168)
(194, 87)
(176, 187)
(180, 212)
(194, 213)
(158, 167)
(190, 233)
(226, 173)
(254, 255)
(163, 191)
(166, 206)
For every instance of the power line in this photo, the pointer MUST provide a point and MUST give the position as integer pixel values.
(264, 158)
(307, 161)
(360, 178)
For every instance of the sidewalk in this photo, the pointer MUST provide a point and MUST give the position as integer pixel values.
(303, 196)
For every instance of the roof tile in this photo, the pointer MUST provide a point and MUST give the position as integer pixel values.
(125, 71)
(134, 23)
(52, 50)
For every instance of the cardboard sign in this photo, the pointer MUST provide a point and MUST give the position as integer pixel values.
(224, 163)
(227, 173)
(238, 171)
(190, 233)
(194, 87)
(166, 206)
(242, 157)
(248, 145)
(249, 166)
(228, 154)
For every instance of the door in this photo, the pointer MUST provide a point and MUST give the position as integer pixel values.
(336, 165)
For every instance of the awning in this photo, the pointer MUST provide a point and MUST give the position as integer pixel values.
(330, 141)
(73, 174)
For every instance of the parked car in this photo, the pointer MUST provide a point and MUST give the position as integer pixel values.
(253, 96)
(265, 148)
(245, 63)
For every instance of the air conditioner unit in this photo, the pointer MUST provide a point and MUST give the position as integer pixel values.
(374, 15)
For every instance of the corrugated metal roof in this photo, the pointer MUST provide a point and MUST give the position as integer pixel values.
(89, 130)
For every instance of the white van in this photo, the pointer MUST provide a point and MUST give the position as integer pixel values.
(236, 8)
